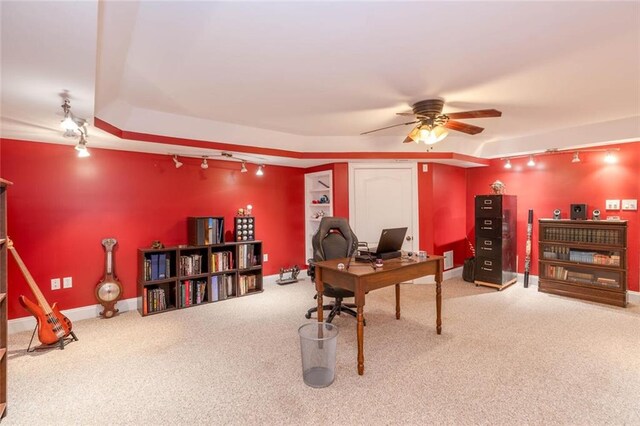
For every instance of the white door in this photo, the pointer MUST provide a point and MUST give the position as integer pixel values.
(384, 196)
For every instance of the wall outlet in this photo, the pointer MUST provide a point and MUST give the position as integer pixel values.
(448, 259)
(265, 257)
(612, 204)
(629, 204)
(67, 282)
(55, 284)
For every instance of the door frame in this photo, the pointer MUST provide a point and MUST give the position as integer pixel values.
(413, 166)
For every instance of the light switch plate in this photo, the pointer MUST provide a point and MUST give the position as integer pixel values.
(612, 204)
(55, 284)
(629, 204)
(67, 282)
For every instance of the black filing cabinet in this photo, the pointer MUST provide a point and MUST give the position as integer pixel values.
(495, 240)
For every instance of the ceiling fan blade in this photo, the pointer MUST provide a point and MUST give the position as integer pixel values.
(480, 113)
(408, 114)
(388, 127)
(463, 127)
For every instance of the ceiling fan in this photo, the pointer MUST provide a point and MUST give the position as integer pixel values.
(432, 124)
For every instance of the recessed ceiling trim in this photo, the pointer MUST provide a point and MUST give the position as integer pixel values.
(170, 140)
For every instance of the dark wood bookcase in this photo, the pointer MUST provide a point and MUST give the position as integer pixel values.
(4, 185)
(585, 259)
(197, 274)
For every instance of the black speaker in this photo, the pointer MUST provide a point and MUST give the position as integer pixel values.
(556, 214)
(578, 212)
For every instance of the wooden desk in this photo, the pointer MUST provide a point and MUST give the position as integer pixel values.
(361, 278)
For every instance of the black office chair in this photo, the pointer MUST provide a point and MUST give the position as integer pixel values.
(334, 239)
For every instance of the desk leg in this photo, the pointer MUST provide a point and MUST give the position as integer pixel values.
(398, 301)
(320, 290)
(360, 329)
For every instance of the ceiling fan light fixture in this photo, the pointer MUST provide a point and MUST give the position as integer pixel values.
(430, 135)
(81, 147)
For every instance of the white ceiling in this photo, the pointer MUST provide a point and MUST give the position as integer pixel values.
(309, 77)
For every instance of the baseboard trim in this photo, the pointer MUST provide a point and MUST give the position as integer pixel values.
(28, 323)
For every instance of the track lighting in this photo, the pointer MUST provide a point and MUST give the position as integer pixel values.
(576, 157)
(205, 165)
(507, 165)
(71, 124)
(531, 161)
(609, 158)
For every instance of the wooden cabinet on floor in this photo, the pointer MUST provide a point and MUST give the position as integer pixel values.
(585, 259)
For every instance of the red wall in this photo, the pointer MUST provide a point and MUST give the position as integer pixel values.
(61, 207)
(442, 198)
(555, 182)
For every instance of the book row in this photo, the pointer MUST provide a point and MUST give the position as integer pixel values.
(584, 235)
(154, 300)
(562, 273)
(246, 283)
(221, 261)
(247, 256)
(205, 230)
(191, 265)
(596, 258)
(192, 292)
(157, 267)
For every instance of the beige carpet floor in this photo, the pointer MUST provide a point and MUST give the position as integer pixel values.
(511, 357)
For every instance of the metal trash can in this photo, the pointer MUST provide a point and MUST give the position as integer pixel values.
(318, 343)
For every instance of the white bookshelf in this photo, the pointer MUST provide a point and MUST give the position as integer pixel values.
(315, 190)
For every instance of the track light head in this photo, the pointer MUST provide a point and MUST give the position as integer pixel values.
(243, 168)
(531, 162)
(507, 165)
(177, 162)
(260, 170)
(204, 164)
(576, 157)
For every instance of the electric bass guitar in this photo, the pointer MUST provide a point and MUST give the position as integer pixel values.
(53, 327)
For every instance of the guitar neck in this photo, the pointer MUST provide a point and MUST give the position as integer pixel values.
(32, 283)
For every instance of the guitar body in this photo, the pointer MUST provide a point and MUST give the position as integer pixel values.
(51, 327)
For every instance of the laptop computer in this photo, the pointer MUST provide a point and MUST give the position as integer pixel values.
(388, 247)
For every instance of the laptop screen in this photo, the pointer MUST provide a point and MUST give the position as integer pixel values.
(391, 240)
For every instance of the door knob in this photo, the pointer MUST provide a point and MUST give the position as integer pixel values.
(409, 238)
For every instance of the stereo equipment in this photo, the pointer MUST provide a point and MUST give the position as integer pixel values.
(596, 214)
(556, 214)
(578, 212)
